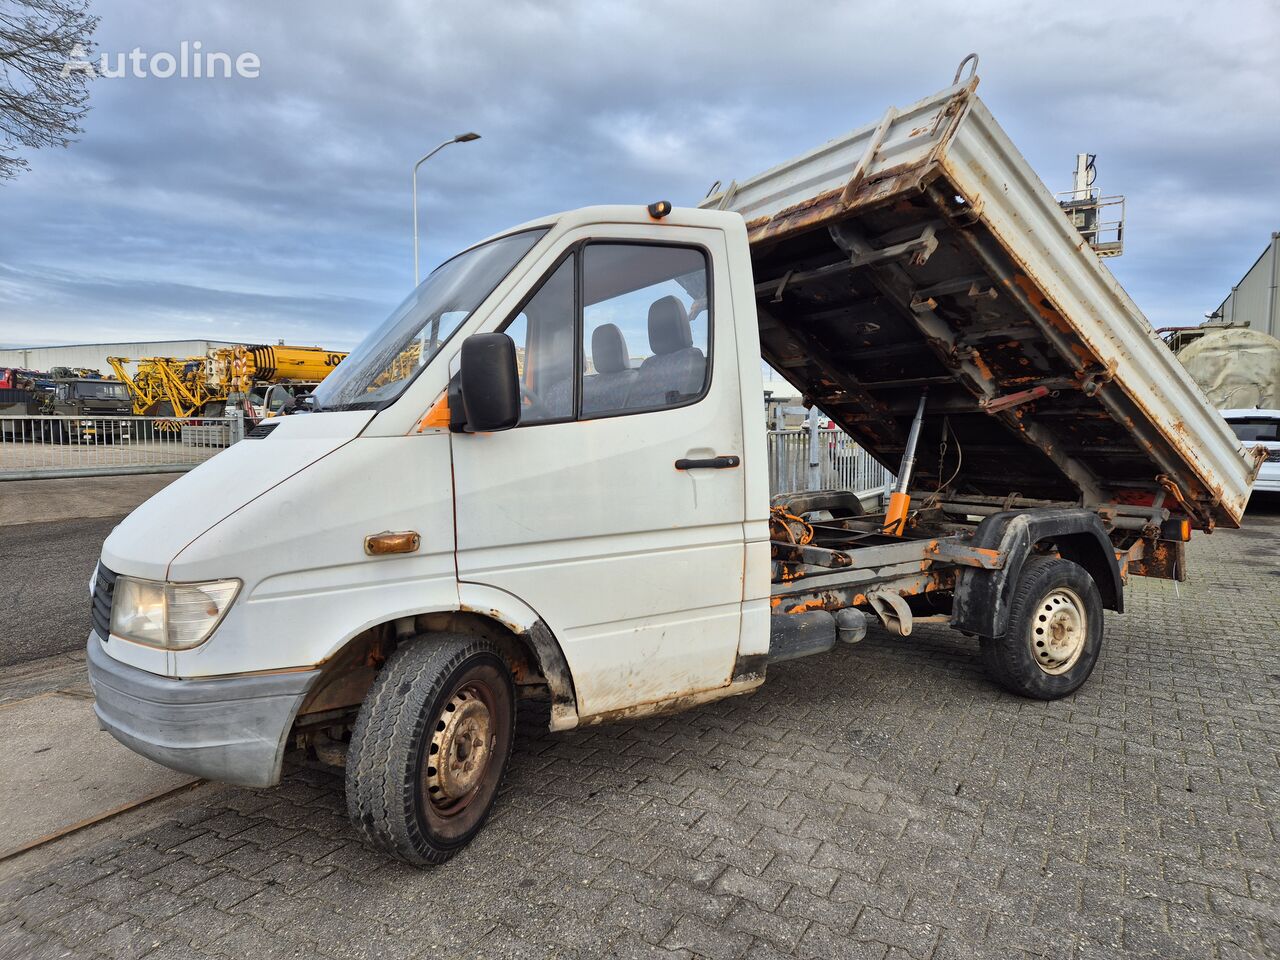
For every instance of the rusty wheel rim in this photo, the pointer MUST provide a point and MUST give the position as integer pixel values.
(1059, 629)
(461, 749)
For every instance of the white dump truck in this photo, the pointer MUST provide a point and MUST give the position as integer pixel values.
(545, 476)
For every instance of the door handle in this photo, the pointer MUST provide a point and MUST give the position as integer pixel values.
(711, 463)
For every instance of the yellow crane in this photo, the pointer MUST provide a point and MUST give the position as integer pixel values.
(166, 386)
(187, 386)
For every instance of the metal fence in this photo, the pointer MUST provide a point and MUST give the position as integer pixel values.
(840, 463)
(33, 448)
(46, 447)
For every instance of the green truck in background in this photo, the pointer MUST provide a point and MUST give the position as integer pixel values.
(79, 410)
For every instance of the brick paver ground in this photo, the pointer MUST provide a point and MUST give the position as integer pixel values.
(883, 802)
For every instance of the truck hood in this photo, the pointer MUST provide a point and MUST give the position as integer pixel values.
(146, 542)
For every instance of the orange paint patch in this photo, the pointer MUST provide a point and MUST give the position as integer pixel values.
(437, 417)
(807, 606)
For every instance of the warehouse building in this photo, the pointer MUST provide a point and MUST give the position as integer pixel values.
(1254, 302)
(93, 356)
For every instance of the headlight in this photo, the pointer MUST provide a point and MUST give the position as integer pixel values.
(174, 616)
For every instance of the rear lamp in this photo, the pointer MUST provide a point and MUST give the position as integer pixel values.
(1176, 528)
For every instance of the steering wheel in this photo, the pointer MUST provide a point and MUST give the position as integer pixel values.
(536, 405)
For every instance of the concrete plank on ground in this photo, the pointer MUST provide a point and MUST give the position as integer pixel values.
(58, 770)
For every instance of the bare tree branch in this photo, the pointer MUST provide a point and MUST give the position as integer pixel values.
(39, 105)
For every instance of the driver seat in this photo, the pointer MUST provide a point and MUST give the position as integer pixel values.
(608, 387)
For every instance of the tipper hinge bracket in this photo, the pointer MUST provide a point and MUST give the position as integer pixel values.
(917, 250)
(1094, 382)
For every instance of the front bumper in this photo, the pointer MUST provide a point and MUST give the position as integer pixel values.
(231, 729)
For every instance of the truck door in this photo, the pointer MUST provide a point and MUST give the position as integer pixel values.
(615, 508)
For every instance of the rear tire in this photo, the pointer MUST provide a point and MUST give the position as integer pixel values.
(430, 747)
(1054, 634)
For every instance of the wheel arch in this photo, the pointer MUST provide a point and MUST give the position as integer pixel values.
(530, 648)
(983, 597)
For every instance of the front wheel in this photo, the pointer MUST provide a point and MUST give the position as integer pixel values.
(1054, 634)
(430, 747)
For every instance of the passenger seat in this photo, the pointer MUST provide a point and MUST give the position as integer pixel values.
(677, 369)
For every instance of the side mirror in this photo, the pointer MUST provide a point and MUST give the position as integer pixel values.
(489, 383)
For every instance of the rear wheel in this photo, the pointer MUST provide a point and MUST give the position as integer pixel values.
(430, 747)
(1054, 634)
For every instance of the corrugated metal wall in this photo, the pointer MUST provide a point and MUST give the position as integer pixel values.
(1255, 301)
(94, 355)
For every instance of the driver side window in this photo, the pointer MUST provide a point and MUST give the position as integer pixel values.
(543, 332)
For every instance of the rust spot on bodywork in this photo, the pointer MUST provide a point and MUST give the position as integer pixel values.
(676, 704)
(826, 207)
(929, 581)
(983, 368)
(1042, 306)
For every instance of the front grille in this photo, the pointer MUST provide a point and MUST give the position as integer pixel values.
(104, 589)
(1273, 455)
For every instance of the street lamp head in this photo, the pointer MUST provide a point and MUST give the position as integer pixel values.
(460, 138)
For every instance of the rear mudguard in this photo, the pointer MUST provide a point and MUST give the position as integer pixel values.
(982, 597)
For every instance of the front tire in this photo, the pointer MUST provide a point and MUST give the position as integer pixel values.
(1054, 634)
(430, 747)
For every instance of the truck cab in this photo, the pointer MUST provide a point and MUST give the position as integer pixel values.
(92, 410)
(609, 549)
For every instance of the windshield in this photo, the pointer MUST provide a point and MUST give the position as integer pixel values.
(380, 368)
(101, 391)
(1256, 428)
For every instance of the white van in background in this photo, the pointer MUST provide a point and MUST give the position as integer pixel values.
(1259, 428)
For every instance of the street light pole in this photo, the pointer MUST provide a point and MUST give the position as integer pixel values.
(460, 138)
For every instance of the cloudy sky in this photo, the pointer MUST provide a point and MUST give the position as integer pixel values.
(278, 207)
